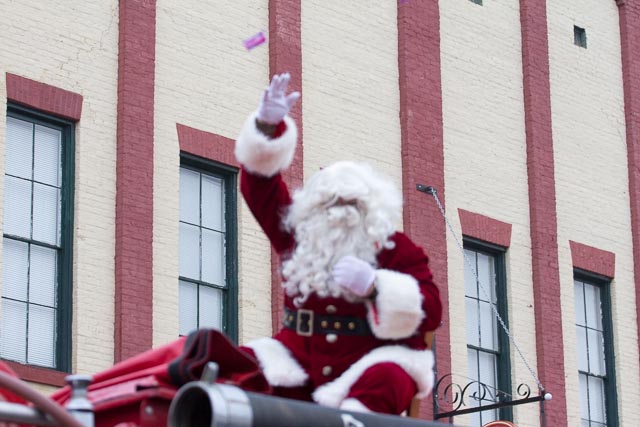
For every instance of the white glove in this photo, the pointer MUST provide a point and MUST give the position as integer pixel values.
(274, 105)
(354, 275)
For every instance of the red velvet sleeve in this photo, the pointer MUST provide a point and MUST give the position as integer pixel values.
(268, 199)
(410, 259)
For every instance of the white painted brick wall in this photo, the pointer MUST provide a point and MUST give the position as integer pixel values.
(591, 179)
(73, 46)
(350, 78)
(206, 79)
(485, 164)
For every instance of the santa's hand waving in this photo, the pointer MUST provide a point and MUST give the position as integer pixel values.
(275, 104)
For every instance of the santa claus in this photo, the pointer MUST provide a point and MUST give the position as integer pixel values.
(359, 295)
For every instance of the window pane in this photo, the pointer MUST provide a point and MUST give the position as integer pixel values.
(487, 327)
(189, 196)
(46, 204)
(470, 286)
(18, 149)
(42, 276)
(212, 203)
(592, 303)
(596, 399)
(472, 364)
(473, 328)
(46, 163)
(210, 308)
(596, 352)
(584, 397)
(578, 292)
(487, 369)
(15, 266)
(42, 335)
(189, 251)
(188, 304)
(17, 207)
(487, 277)
(581, 337)
(213, 261)
(13, 335)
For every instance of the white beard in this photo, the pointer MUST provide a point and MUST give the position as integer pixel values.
(321, 240)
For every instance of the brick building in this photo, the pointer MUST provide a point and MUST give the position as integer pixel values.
(123, 227)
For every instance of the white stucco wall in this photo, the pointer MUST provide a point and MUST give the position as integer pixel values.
(74, 47)
(207, 80)
(591, 179)
(485, 165)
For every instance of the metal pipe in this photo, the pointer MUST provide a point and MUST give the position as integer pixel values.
(208, 404)
(21, 414)
(40, 401)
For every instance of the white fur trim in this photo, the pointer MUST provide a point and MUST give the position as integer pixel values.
(353, 405)
(277, 363)
(417, 363)
(261, 155)
(398, 305)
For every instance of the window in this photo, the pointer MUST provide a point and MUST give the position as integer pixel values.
(579, 36)
(595, 352)
(208, 276)
(487, 343)
(37, 237)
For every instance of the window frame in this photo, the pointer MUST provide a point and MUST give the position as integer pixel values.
(229, 174)
(610, 387)
(64, 294)
(503, 357)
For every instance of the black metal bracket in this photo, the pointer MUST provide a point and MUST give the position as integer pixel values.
(426, 189)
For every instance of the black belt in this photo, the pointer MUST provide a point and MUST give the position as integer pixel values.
(307, 323)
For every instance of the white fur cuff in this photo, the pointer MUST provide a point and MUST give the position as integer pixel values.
(398, 306)
(278, 365)
(417, 363)
(261, 155)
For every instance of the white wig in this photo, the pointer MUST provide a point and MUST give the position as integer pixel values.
(344, 209)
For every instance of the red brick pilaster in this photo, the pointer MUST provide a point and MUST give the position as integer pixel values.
(629, 12)
(542, 207)
(422, 151)
(134, 179)
(285, 55)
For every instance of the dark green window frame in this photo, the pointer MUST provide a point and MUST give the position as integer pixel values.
(503, 361)
(604, 285)
(229, 175)
(64, 294)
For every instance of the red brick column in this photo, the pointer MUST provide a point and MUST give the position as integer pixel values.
(422, 151)
(542, 207)
(285, 55)
(134, 179)
(629, 11)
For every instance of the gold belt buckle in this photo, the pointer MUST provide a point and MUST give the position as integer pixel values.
(309, 322)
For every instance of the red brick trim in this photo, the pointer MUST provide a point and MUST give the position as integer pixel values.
(629, 14)
(134, 179)
(422, 151)
(44, 97)
(285, 54)
(484, 228)
(207, 145)
(38, 375)
(542, 207)
(592, 259)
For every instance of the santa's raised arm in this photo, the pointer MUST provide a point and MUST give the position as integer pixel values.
(359, 295)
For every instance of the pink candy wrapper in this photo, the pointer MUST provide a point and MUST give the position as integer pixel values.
(254, 41)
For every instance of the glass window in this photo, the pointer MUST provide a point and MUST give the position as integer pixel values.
(37, 236)
(207, 285)
(595, 353)
(487, 345)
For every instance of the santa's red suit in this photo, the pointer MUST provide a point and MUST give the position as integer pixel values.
(366, 355)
